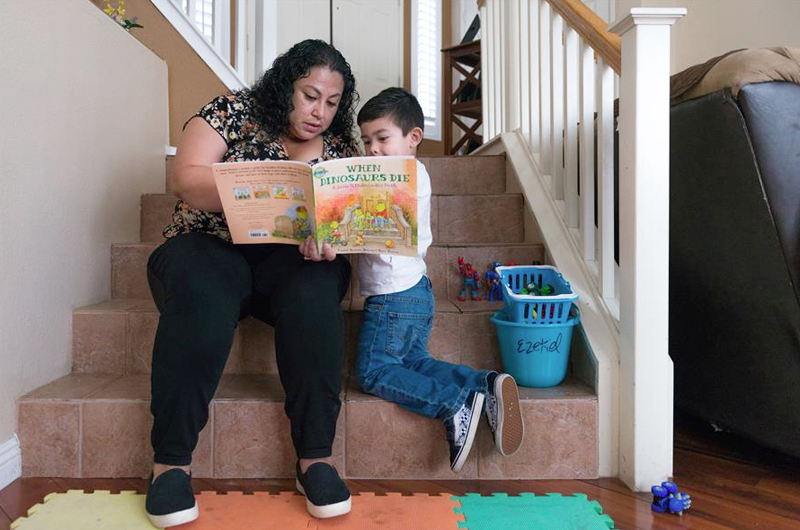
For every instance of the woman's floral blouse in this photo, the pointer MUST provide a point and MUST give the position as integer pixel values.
(233, 118)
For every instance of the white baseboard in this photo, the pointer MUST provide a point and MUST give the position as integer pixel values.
(10, 461)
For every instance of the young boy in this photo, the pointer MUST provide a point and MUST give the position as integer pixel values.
(393, 359)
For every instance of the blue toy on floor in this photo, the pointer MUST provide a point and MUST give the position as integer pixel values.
(667, 498)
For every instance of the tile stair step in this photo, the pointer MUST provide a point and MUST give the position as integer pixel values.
(450, 175)
(453, 218)
(93, 424)
(116, 337)
(155, 213)
(97, 425)
(462, 175)
(129, 266)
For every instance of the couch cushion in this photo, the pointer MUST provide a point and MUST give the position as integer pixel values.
(735, 70)
(772, 113)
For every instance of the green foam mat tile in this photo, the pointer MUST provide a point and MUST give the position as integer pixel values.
(527, 511)
(76, 510)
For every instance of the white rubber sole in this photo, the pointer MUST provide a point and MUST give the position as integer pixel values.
(175, 519)
(512, 409)
(471, 430)
(327, 511)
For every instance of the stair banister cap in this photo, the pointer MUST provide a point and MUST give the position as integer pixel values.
(638, 16)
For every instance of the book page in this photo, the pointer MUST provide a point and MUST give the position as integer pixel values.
(367, 205)
(268, 201)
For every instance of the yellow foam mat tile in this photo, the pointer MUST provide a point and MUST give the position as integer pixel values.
(76, 510)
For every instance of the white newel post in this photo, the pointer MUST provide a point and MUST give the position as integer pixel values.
(646, 372)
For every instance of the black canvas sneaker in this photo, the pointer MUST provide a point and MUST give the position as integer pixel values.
(170, 499)
(503, 413)
(326, 493)
(461, 428)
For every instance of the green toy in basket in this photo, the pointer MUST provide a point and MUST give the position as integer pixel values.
(535, 290)
(536, 294)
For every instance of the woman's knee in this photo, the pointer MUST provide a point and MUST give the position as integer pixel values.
(316, 298)
(198, 272)
(328, 279)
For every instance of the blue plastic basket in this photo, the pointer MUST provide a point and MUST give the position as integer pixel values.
(536, 356)
(531, 309)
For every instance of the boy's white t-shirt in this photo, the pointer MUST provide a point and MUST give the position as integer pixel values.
(382, 274)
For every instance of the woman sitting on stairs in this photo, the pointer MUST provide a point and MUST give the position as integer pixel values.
(203, 284)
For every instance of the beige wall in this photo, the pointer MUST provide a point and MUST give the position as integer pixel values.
(83, 134)
(713, 27)
(192, 83)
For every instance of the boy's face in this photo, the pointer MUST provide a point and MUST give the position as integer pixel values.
(382, 137)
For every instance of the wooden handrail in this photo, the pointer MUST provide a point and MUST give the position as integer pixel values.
(592, 29)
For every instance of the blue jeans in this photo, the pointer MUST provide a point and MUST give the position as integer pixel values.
(394, 362)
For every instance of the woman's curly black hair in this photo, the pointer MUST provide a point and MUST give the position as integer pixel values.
(275, 89)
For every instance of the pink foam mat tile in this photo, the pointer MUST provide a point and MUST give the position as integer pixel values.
(287, 511)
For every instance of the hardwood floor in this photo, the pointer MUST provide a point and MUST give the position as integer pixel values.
(735, 485)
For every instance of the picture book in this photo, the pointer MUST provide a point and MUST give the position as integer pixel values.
(362, 205)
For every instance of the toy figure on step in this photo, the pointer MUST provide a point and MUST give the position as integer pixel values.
(472, 281)
(667, 498)
(492, 278)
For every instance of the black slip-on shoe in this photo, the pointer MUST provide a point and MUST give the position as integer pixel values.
(326, 493)
(461, 427)
(170, 499)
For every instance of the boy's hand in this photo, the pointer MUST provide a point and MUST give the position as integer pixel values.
(308, 248)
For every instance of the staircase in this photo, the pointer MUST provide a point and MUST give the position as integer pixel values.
(95, 422)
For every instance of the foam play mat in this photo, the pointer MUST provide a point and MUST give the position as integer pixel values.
(101, 510)
(528, 511)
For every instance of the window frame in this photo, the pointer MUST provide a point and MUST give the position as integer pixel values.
(220, 24)
(433, 125)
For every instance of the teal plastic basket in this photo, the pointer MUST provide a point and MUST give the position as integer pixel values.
(536, 356)
(531, 309)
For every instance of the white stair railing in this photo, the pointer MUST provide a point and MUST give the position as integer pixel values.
(551, 70)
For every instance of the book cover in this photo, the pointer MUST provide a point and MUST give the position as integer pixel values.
(367, 204)
(357, 205)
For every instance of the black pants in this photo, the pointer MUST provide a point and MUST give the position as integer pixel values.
(203, 286)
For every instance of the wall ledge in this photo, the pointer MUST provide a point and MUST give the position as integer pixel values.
(10, 461)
